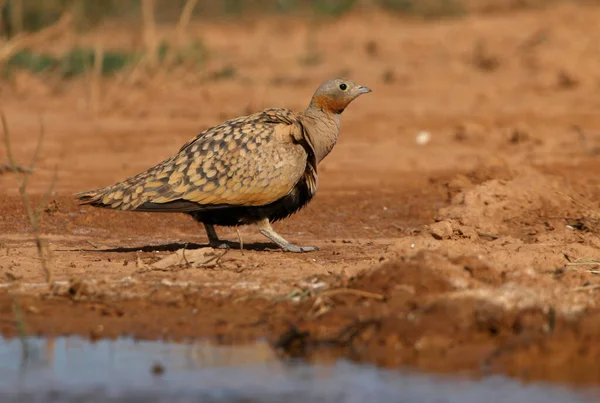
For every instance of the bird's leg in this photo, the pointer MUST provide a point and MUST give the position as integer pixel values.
(264, 226)
(213, 238)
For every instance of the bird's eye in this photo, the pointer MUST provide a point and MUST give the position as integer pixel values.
(343, 87)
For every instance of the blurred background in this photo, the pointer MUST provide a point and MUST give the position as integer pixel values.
(65, 39)
(31, 30)
(32, 15)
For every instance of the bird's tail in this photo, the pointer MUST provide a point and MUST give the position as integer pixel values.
(114, 197)
(125, 195)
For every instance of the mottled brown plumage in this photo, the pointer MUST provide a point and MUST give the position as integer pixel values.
(255, 169)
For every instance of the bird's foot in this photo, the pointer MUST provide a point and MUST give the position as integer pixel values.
(285, 245)
(265, 228)
(298, 249)
(218, 244)
(213, 239)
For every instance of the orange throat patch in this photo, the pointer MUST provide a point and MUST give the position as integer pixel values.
(329, 104)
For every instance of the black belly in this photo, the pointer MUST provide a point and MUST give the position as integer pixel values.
(241, 215)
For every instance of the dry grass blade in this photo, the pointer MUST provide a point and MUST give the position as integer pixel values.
(580, 203)
(240, 240)
(33, 214)
(215, 261)
(94, 245)
(150, 41)
(591, 263)
(584, 264)
(587, 288)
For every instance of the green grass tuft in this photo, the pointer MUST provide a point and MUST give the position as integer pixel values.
(31, 61)
(425, 8)
(333, 8)
(71, 64)
(79, 61)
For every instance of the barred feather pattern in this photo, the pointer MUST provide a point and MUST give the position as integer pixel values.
(249, 161)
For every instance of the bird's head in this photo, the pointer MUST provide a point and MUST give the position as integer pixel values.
(335, 95)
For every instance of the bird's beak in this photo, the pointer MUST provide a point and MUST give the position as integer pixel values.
(363, 90)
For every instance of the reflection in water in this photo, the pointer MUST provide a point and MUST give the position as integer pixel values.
(75, 370)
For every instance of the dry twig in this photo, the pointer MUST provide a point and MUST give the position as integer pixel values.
(95, 245)
(18, 169)
(33, 214)
(240, 240)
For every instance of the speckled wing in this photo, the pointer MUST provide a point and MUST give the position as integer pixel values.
(249, 161)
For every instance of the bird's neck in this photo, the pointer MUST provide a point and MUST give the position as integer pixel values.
(322, 128)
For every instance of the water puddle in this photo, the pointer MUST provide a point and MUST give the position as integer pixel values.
(75, 370)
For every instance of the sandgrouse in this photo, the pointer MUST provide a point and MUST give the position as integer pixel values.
(254, 169)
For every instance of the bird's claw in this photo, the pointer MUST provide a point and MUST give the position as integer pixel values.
(298, 249)
(219, 245)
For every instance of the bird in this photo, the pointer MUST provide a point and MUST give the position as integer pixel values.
(251, 170)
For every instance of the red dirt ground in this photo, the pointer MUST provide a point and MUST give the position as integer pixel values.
(476, 252)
